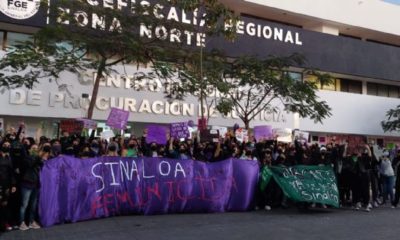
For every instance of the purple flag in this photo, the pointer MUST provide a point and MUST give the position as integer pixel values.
(118, 118)
(180, 130)
(157, 134)
(263, 132)
(76, 190)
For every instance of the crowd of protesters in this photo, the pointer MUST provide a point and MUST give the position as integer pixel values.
(358, 174)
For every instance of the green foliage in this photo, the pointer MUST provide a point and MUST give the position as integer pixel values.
(251, 86)
(115, 41)
(392, 122)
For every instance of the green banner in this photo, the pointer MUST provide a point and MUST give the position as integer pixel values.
(315, 184)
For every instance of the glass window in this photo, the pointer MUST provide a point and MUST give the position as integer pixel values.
(350, 86)
(15, 38)
(383, 90)
(1, 39)
(372, 89)
(393, 91)
(330, 87)
(312, 79)
(295, 76)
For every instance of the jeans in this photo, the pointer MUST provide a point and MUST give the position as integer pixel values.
(29, 198)
(388, 188)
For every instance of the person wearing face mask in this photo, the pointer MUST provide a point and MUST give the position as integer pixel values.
(363, 169)
(56, 149)
(112, 150)
(95, 149)
(7, 186)
(131, 150)
(387, 174)
(183, 152)
(30, 185)
(396, 167)
(198, 150)
(153, 150)
(85, 153)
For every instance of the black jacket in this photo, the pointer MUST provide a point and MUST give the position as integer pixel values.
(7, 176)
(30, 172)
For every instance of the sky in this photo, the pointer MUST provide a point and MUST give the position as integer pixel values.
(393, 1)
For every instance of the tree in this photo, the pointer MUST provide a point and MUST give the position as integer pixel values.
(197, 75)
(75, 42)
(251, 85)
(392, 122)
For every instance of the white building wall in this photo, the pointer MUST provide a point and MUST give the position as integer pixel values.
(370, 14)
(353, 114)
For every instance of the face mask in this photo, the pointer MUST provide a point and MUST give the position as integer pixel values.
(112, 148)
(95, 145)
(5, 149)
(153, 148)
(47, 149)
(69, 151)
(33, 152)
(386, 154)
(132, 145)
(56, 148)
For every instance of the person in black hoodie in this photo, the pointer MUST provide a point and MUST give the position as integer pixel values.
(396, 167)
(7, 185)
(30, 185)
(363, 168)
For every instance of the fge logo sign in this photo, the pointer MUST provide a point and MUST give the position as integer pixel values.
(19, 9)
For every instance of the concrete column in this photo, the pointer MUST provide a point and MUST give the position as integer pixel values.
(323, 28)
(364, 87)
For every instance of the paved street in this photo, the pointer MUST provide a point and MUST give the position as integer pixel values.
(383, 223)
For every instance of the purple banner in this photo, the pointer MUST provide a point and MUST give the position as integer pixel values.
(118, 118)
(76, 190)
(157, 134)
(263, 133)
(180, 130)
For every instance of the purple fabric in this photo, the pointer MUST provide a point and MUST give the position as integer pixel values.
(157, 134)
(118, 118)
(76, 190)
(263, 132)
(180, 130)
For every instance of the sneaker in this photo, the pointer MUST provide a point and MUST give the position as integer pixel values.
(8, 227)
(23, 227)
(393, 206)
(368, 208)
(256, 208)
(324, 206)
(313, 205)
(34, 225)
(376, 204)
(267, 208)
(358, 206)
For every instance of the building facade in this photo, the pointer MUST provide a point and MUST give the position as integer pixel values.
(355, 41)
